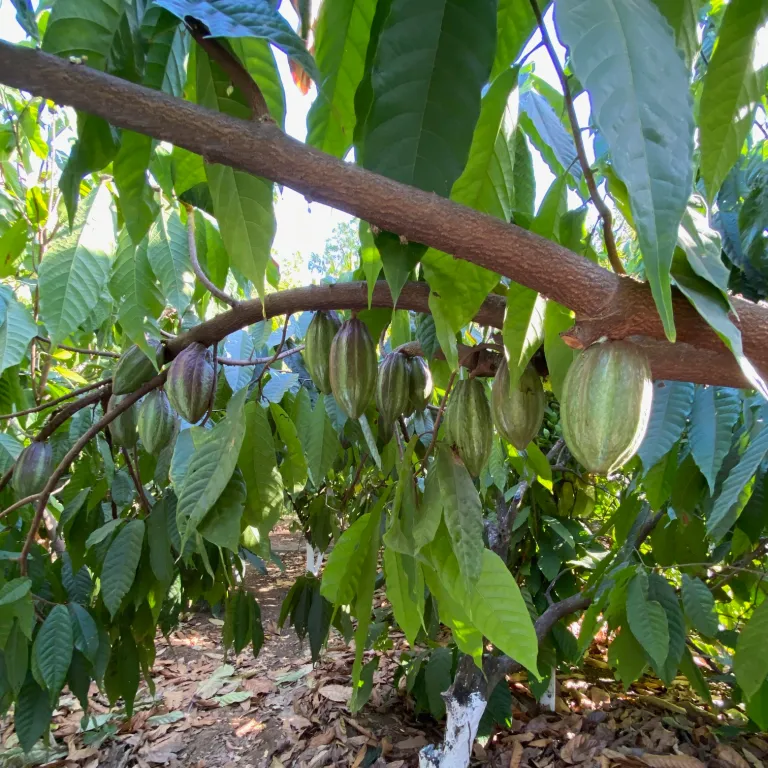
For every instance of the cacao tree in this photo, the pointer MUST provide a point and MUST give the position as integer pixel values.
(515, 405)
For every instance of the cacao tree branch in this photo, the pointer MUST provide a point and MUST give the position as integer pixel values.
(74, 452)
(262, 360)
(81, 350)
(133, 471)
(58, 418)
(602, 208)
(605, 304)
(276, 355)
(51, 403)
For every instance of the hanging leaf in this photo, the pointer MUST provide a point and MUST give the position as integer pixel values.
(627, 656)
(85, 633)
(660, 590)
(523, 329)
(647, 620)
(642, 107)
(168, 254)
(557, 353)
(15, 333)
(322, 443)
(32, 714)
(699, 605)
(515, 22)
(751, 661)
(120, 564)
(405, 592)
(53, 649)
(672, 402)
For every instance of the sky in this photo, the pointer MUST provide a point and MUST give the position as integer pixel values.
(304, 227)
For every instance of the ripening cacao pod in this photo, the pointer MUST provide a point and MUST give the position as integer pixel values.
(317, 348)
(518, 412)
(156, 421)
(419, 386)
(606, 405)
(468, 424)
(123, 428)
(134, 368)
(353, 367)
(32, 469)
(190, 382)
(392, 391)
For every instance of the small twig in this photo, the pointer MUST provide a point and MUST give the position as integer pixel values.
(51, 403)
(602, 208)
(197, 269)
(81, 350)
(439, 418)
(26, 500)
(58, 418)
(133, 471)
(351, 488)
(261, 360)
(74, 452)
(276, 356)
(232, 67)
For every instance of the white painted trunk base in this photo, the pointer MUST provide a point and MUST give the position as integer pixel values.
(460, 732)
(314, 560)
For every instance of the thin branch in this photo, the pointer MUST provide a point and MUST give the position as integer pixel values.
(275, 357)
(51, 403)
(351, 487)
(262, 360)
(58, 418)
(26, 500)
(74, 452)
(439, 418)
(82, 350)
(197, 269)
(237, 73)
(600, 204)
(133, 471)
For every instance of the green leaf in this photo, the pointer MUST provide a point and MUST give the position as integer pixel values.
(715, 411)
(294, 466)
(74, 273)
(682, 16)
(723, 514)
(321, 442)
(243, 204)
(257, 57)
(659, 589)
(515, 23)
(523, 329)
(370, 259)
(160, 558)
(137, 201)
(264, 484)
(437, 679)
(85, 633)
(16, 657)
(696, 678)
(557, 353)
(102, 532)
(53, 649)
(651, 135)
(10, 449)
(342, 32)
(210, 468)
(525, 182)
(702, 246)
(462, 512)
(32, 714)
(751, 661)
(405, 592)
(168, 254)
(730, 93)
(699, 606)
(672, 402)
(221, 525)
(15, 333)
(259, 18)
(120, 564)
(12, 244)
(647, 620)
(14, 590)
(626, 655)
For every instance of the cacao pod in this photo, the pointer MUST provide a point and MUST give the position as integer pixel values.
(317, 348)
(419, 385)
(353, 367)
(468, 424)
(518, 412)
(123, 428)
(134, 368)
(32, 469)
(156, 421)
(392, 391)
(190, 382)
(606, 405)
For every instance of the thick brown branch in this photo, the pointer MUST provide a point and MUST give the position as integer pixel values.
(602, 208)
(605, 304)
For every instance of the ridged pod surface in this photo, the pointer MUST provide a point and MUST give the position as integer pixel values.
(32, 469)
(134, 368)
(123, 428)
(518, 413)
(606, 405)
(190, 382)
(156, 421)
(468, 424)
(392, 390)
(317, 348)
(353, 367)
(420, 385)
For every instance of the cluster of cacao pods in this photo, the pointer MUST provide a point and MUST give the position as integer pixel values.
(341, 358)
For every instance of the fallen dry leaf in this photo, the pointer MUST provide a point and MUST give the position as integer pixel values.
(338, 693)
(414, 743)
(671, 761)
(729, 755)
(249, 726)
(259, 686)
(323, 739)
(517, 754)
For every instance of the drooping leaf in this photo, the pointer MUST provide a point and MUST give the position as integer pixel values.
(294, 465)
(732, 88)
(85, 633)
(660, 590)
(751, 661)
(699, 605)
(32, 714)
(405, 592)
(322, 443)
(120, 564)
(15, 333)
(627, 656)
(74, 272)
(221, 526)
(642, 107)
(168, 254)
(257, 57)
(523, 329)
(647, 620)
(672, 402)
(53, 649)
(515, 23)
(437, 679)
(702, 248)
(557, 353)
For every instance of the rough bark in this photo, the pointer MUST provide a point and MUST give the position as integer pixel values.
(605, 304)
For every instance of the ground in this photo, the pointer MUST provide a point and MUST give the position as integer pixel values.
(278, 711)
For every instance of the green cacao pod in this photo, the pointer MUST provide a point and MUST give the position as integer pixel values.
(317, 348)
(392, 391)
(468, 424)
(134, 368)
(518, 412)
(606, 405)
(353, 367)
(190, 382)
(156, 421)
(123, 428)
(32, 469)
(419, 385)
